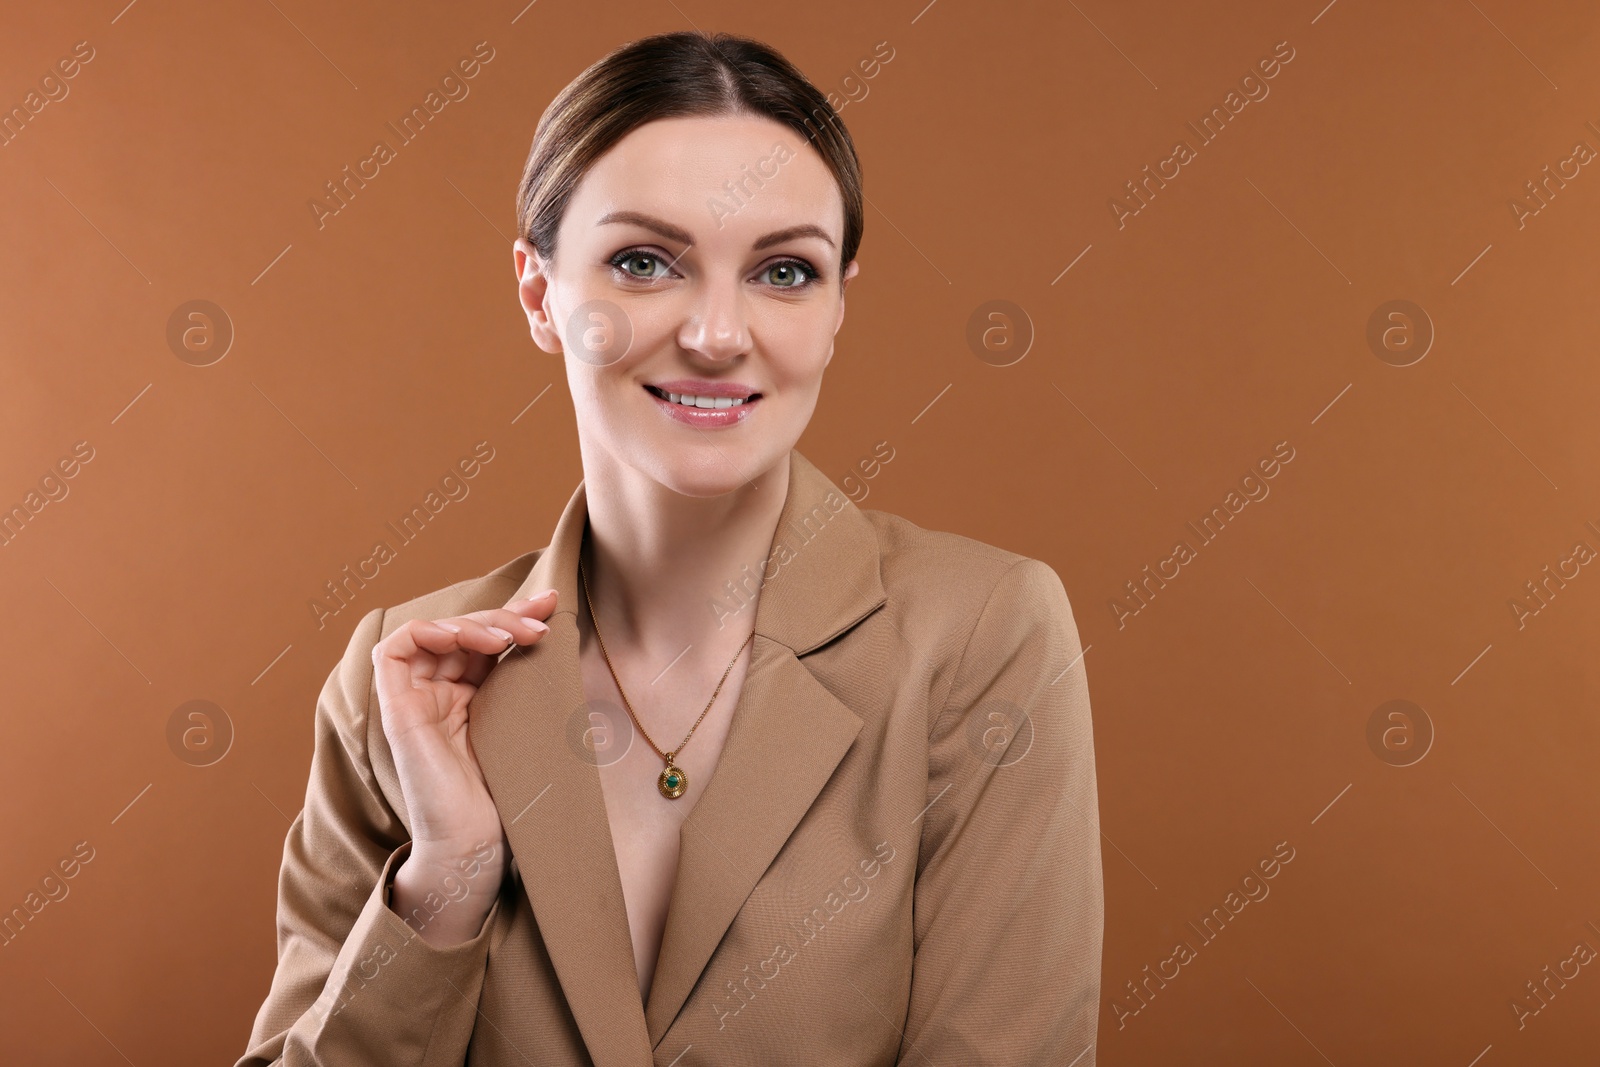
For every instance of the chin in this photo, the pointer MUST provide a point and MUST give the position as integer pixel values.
(708, 471)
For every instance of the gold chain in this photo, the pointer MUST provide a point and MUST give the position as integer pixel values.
(673, 782)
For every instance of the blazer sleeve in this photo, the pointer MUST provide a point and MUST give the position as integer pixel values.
(354, 983)
(1009, 904)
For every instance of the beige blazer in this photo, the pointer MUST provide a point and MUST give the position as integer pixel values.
(896, 860)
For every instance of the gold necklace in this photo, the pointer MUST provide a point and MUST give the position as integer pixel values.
(673, 782)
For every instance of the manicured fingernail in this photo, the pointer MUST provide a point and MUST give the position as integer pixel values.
(536, 626)
(452, 627)
(500, 633)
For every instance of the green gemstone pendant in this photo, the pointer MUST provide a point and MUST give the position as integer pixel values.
(673, 782)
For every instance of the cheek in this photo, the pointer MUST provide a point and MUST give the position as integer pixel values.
(595, 393)
(655, 325)
(796, 340)
(794, 369)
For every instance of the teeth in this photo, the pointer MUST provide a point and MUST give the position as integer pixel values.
(704, 401)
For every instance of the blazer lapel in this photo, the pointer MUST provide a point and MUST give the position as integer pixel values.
(522, 721)
(787, 735)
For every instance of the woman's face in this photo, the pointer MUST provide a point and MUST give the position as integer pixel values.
(699, 257)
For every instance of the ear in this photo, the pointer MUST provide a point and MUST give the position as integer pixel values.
(844, 280)
(849, 272)
(533, 286)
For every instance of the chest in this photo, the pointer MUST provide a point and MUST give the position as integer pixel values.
(645, 825)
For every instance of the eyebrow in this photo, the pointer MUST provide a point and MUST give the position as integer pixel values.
(668, 230)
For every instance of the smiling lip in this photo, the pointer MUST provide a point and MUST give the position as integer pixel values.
(704, 387)
(704, 418)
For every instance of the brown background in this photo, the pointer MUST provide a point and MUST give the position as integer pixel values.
(1230, 314)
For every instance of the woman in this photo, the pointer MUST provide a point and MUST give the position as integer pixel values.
(748, 774)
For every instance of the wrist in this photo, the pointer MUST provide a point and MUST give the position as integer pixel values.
(445, 900)
(464, 860)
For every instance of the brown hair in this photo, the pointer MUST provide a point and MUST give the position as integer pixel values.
(669, 75)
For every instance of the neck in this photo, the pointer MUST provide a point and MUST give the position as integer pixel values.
(658, 562)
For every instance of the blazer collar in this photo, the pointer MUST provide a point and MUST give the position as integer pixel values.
(787, 735)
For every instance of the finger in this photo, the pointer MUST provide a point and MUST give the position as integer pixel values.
(438, 649)
(459, 648)
(541, 606)
(527, 631)
(507, 620)
(444, 636)
(478, 632)
(457, 666)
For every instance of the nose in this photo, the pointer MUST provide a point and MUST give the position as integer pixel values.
(716, 325)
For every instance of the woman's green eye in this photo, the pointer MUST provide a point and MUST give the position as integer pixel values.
(790, 274)
(638, 257)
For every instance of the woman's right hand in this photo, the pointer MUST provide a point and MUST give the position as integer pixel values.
(426, 674)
